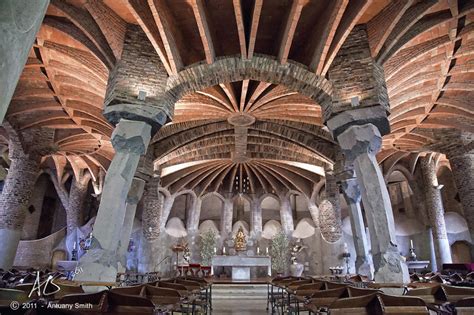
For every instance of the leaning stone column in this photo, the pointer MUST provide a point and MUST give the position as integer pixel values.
(133, 197)
(19, 23)
(14, 202)
(77, 197)
(353, 198)
(435, 212)
(286, 216)
(130, 140)
(360, 145)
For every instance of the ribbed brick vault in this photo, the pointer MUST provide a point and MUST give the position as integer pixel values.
(425, 46)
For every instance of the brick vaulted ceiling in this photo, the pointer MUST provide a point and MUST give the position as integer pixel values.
(265, 134)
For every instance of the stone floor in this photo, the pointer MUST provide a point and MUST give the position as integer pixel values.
(240, 307)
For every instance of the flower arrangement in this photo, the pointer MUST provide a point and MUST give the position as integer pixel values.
(280, 252)
(208, 244)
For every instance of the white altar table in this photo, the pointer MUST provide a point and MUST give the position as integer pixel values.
(241, 265)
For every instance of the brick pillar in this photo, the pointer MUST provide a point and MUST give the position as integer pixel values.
(462, 166)
(330, 210)
(14, 201)
(152, 210)
(75, 207)
(32, 220)
(435, 207)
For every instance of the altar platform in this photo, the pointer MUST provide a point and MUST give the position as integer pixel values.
(241, 265)
(260, 280)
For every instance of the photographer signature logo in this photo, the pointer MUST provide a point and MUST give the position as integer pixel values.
(38, 285)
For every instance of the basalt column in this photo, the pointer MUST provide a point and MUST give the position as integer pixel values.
(358, 119)
(20, 20)
(134, 196)
(435, 211)
(256, 222)
(227, 217)
(136, 104)
(353, 199)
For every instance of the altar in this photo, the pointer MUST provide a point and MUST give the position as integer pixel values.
(241, 265)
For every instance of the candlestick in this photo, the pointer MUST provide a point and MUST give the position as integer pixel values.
(346, 250)
(215, 250)
(266, 250)
(411, 243)
(223, 250)
(258, 250)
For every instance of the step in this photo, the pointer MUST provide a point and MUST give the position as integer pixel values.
(239, 291)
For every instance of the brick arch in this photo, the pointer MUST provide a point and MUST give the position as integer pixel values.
(259, 68)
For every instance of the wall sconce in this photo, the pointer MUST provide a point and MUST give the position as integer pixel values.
(355, 102)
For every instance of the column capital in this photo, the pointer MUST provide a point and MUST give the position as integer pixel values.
(357, 140)
(136, 191)
(131, 136)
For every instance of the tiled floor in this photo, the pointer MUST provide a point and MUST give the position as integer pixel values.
(240, 307)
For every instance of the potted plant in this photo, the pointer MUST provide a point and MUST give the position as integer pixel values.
(280, 252)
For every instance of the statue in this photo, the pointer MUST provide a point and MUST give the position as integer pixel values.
(240, 241)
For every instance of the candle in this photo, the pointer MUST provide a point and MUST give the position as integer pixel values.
(266, 250)
(215, 250)
(346, 250)
(258, 250)
(74, 245)
(223, 250)
(411, 244)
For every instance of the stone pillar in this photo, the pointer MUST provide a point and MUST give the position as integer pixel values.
(286, 215)
(256, 212)
(227, 217)
(195, 215)
(167, 206)
(330, 210)
(19, 23)
(133, 197)
(14, 202)
(314, 211)
(462, 166)
(130, 140)
(435, 211)
(360, 145)
(353, 198)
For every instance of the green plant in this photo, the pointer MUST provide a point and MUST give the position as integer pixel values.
(208, 243)
(280, 252)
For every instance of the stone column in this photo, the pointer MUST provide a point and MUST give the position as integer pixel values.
(353, 198)
(227, 217)
(330, 210)
(462, 166)
(435, 211)
(14, 202)
(256, 212)
(19, 23)
(195, 215)
(286, 215)
(130, 140)
(167, 206)
(133, 197)
(360, 144)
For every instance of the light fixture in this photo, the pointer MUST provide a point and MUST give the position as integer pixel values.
(141, 95)
(355, 101)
